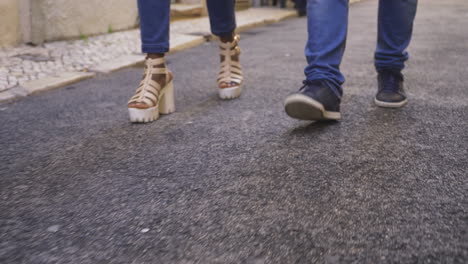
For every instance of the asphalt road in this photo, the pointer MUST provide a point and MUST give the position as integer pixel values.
(239, 181)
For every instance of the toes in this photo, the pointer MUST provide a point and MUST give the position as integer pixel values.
(138, 105)
(227, 84)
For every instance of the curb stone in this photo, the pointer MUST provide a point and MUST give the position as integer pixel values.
(57, 81)
(7, 96)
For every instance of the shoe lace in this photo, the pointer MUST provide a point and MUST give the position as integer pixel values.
(391, 81)
(306, 83)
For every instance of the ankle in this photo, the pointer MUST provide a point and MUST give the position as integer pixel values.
(227, 38)
(154, 55)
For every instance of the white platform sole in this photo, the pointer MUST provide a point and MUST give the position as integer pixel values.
(305, 108)
(230, 93)
(165, 106)
(390, 105)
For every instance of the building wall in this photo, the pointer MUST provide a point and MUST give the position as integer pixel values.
(9, 23)
(61, 19)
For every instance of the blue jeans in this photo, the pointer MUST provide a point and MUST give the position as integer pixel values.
(328, 26)
(155, 16)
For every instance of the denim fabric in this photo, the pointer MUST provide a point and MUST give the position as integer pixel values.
(155, 17)
(328, 26)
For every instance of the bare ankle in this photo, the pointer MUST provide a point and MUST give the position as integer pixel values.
(229, 38)
(154, 55)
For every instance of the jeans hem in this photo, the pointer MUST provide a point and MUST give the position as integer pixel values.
(336, 88)
(225, 33)
(154, 48)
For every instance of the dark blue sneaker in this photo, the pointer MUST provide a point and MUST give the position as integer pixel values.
(391, 93)
(314, 101)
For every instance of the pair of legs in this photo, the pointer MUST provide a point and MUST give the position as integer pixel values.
(155, 93)
(155, 19)
(327, 28)
(282, 3)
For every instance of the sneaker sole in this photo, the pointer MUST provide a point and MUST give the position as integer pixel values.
(305, 108)
(390, 105)
(230, 93)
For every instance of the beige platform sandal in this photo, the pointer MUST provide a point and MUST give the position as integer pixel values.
(152, 98)
(231, 70)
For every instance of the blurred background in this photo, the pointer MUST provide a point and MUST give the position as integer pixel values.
(38, 21)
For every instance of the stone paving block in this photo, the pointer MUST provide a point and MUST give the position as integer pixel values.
(118, 63)
(52, 82)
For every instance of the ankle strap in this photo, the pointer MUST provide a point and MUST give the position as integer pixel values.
(230, 45)
(156, 61)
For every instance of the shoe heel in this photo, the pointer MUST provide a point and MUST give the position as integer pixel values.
(167, 104)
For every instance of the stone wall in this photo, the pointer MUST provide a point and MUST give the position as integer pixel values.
(62, 19)
(9, 23)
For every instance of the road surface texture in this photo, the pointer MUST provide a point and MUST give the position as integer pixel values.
(239, 181)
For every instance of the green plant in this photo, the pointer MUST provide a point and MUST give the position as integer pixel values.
(84, 37)
(110, 29)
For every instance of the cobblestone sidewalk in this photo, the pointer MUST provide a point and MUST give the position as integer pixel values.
(26, 69)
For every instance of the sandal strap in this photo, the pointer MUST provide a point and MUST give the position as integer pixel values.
(149, 90)
(230, 71)
(155, 62)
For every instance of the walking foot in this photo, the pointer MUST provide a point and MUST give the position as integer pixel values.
(155, 94)
(314, 101)
(391, 93)
(230, 75)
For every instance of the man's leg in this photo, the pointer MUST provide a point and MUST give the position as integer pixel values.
(154, 25)
(320, 97)
(394, 35)
(223, 25)
(327, 25)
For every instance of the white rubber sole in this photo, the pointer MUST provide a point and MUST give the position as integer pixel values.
(165, 106)
(305, 108)
(230, 93)
(390, 105)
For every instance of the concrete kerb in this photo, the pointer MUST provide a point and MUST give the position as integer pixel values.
(247, 26)
(179, 42)
(44, 84)
(49, 83)
(8, 96)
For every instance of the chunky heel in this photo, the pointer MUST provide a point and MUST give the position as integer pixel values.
(167, 104)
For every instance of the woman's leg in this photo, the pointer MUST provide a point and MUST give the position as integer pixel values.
(223, 25)
(154, 25)
(222, 17)
(155, 94)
